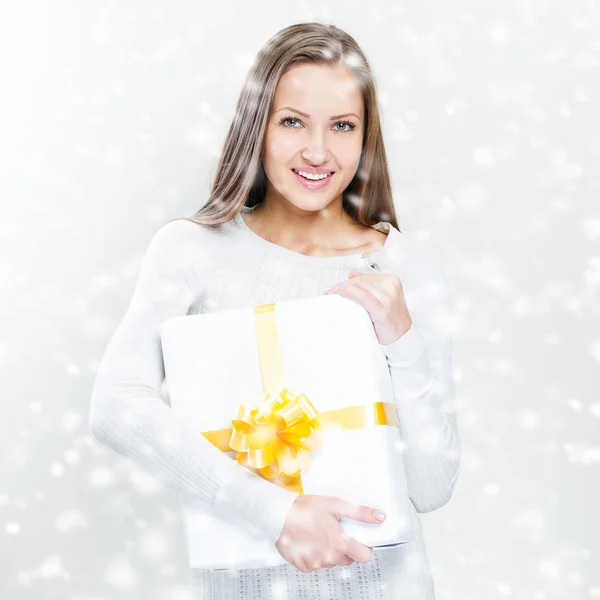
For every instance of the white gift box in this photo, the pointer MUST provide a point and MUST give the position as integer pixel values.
(330, 353)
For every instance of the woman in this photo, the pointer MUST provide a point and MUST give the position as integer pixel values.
(301, 203)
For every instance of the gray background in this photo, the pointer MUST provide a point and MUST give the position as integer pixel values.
(113, 115)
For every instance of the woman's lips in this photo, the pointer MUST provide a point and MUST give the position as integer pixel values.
(312, 185)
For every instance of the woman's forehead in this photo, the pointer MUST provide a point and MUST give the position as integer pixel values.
(322, 91)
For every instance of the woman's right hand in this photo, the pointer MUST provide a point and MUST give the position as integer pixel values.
(312, 537)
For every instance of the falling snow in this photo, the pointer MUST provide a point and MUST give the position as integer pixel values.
(489, 113)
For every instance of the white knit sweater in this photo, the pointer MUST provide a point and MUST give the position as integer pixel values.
(190, 269)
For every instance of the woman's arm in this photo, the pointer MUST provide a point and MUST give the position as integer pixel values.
(128, 415)
(420, 365)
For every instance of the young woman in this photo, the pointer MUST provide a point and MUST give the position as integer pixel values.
(301, 205)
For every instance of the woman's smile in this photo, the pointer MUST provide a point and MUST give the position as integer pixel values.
(313, 184)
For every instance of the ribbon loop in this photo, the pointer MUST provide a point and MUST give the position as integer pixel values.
(277, 435)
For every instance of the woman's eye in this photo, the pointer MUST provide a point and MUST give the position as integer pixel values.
(344, 123)
(288, 119)
(284, 122)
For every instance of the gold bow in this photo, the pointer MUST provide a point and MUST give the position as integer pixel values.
(277, 435)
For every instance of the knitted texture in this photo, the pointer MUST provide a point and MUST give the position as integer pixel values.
(191, 269)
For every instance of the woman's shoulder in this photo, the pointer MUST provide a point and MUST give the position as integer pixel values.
(185, 228)
(182, 243)
(417, 258)
(181, 233)
(420, 267)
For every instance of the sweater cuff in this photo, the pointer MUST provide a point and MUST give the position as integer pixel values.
(263, 504)
(408, 354)
(406, 349)
(277, 506)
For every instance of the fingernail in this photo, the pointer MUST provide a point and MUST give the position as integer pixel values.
(380, 516)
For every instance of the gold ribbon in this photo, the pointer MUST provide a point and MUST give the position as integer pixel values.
(277, 435)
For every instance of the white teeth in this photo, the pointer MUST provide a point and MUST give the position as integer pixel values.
(311, 176)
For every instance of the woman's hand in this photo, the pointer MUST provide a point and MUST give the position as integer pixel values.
(381, 294)
(312, 537)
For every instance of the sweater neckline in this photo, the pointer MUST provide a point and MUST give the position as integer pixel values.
(259, 242)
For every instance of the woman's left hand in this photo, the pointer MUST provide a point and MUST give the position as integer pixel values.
(382, 296)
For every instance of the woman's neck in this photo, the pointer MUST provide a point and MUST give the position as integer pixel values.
(328, 233)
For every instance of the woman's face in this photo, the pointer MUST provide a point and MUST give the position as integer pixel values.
(314, 139)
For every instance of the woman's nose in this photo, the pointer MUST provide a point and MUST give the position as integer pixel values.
(316, 151)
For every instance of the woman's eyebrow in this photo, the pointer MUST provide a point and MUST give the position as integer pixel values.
(308, 116)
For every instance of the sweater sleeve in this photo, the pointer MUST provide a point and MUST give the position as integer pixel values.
(420, 365)
(128, 414)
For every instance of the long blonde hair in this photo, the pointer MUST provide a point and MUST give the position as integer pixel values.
(240, 178)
